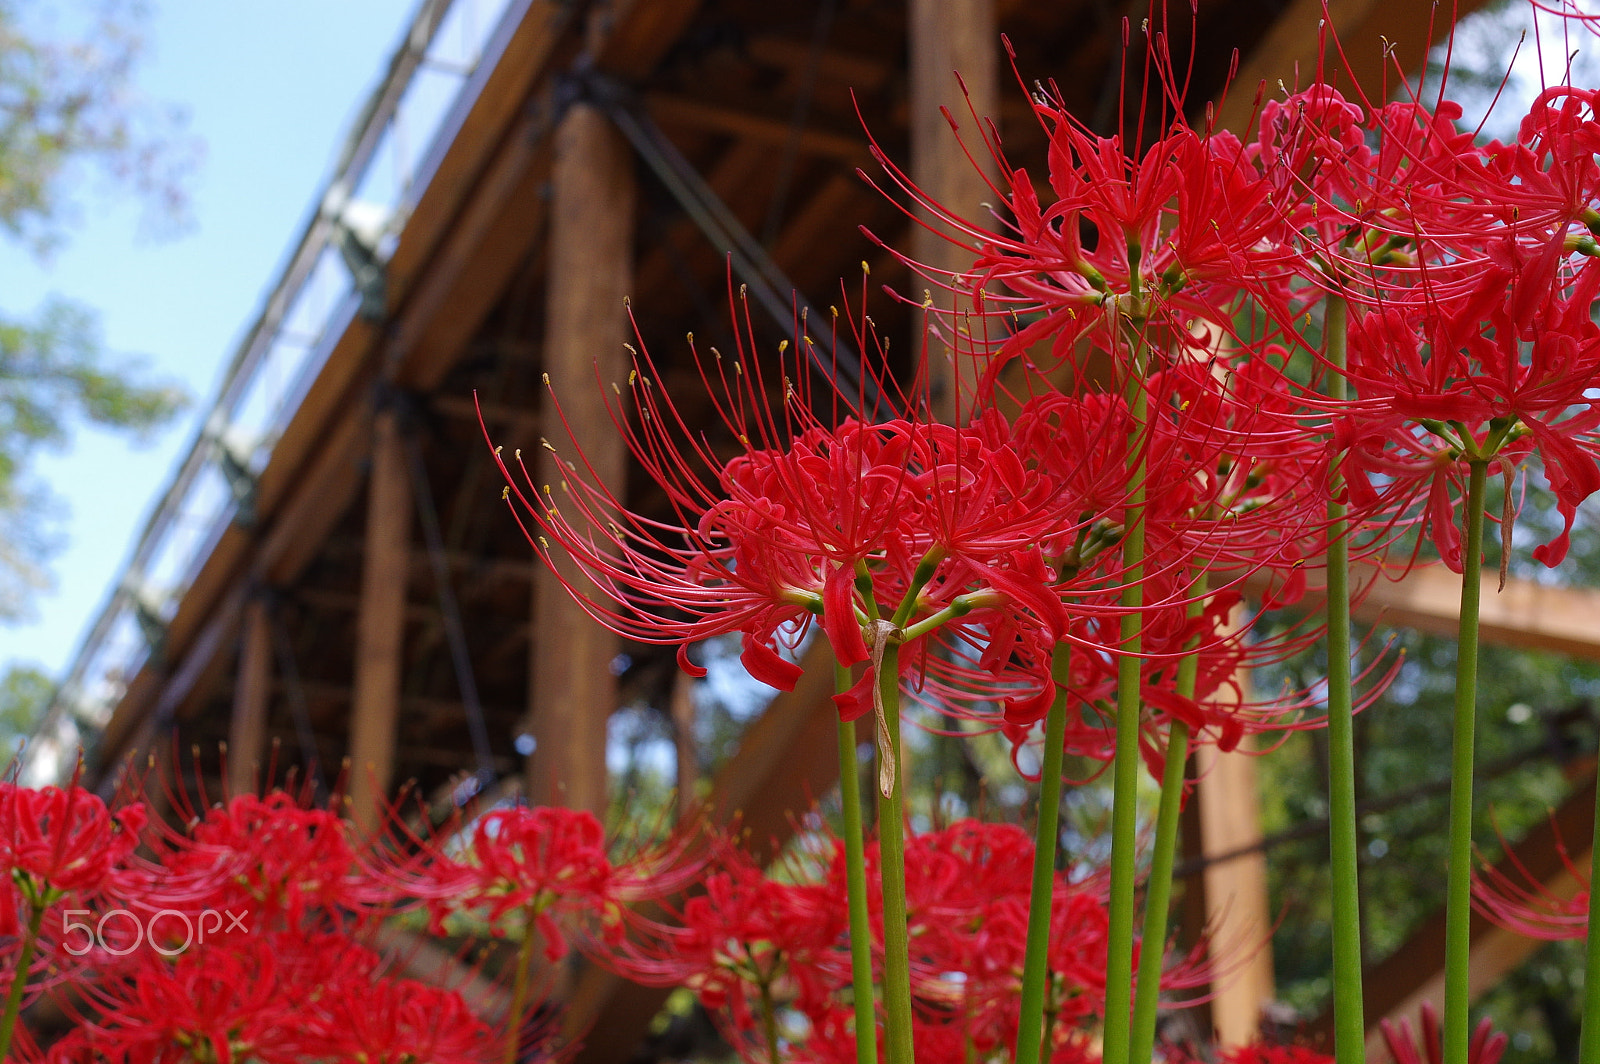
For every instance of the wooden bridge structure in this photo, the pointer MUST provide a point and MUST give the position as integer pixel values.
(363, 596)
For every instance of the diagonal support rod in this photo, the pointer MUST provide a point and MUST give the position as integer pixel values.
(455, 632)
(766, 280)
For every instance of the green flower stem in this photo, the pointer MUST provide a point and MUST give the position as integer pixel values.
(1349, 1021)
(1589, 1041)
(19, 978)
(1158, 888)
(1125, 763)
(1035, 964)
(769, 1021)
(520, 986)
(856, 876)
(1458, 888)
(892, 867)
(1158, 891)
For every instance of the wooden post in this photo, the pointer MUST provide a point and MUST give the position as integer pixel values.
(950, 37)
(252, 689)
(1237, 910)
(571, 689)
(380, 632)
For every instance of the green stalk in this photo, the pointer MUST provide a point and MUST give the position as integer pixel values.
(1458, 888)
(1158, 889)
(1589, 1040)
(892, 867)
(1035, 963)
(19, 978)
(1125, 763)
(519, 990)
(1349, 1021)
(769, 1021)
(855, 864)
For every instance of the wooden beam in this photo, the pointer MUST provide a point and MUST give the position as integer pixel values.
(1525, 614)
(380, 628)
(773, 130)
(1238, 914)
(1428, 598)
(947, 38)
(627, 38)
(252, 693)
(571, 689)
(864, 72)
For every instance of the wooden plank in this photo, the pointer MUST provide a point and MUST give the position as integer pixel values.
(1525, 614)
(949, 37)
(571, 689)
(380, 628)
(252, 693)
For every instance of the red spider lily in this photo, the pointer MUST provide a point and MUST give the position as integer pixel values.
(1442, 385)
(394, 1021)
(1180, 227)
(1261, 1053)
(967, 893)
(747, 942)
(755, 943)
(808, 521)
(1486, 1047)
(1518, 900)
(55, 840)
(1548, 180)
(551, 867)
(225, 1005)
(60, 850)
(271, 857)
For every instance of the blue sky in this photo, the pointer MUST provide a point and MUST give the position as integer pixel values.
(270, 89)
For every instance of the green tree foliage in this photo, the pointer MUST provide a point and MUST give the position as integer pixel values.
(68, 105)
(25, 691)
(68, 108)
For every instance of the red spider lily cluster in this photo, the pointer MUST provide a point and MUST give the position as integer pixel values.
(767, 952)
(1202, 360)
(268, 930)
